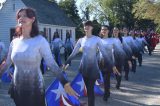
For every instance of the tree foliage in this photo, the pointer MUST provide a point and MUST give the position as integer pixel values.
(96, 27)
(86, 10)
(53, 1)
(70, 8)
(147, 9)
(116, 11)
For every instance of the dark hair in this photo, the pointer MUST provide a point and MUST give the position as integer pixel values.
(88, 23)
(55, 35)
(68, 36)
(119, 35)
(30, 14)
(105, 26)
(126, 28)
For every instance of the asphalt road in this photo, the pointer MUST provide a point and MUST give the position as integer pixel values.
(142, 89)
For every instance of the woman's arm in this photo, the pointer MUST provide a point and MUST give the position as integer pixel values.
(61, 43)
(47, 56)
(74, 52)
(107, 55)
(5, 64)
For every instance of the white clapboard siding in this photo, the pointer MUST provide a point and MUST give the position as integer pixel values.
(8, 19)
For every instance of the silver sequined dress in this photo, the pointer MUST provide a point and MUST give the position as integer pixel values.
(28, 83)
(89, 63)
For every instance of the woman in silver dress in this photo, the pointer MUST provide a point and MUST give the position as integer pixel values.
(128, 51)
(105, 68)
(68, 46)
(89, 45)
(56, 46)
(119, 54)
(26, 52)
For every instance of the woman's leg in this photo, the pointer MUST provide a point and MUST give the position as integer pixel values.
(126, 69)
(90, 90)
(29, 98)
(140, 59)
(106, 78)
(134, 65)
(65, 55)
(118, 77)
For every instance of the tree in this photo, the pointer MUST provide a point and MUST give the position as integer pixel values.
(148, 9)
(53, 1)
(85, 9)
(115, 11)
(70, 8)
(97, 27)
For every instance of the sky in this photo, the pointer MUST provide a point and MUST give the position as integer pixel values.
(1, 1)
(77, 2)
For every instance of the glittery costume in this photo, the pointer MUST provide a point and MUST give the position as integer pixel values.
(28, 84)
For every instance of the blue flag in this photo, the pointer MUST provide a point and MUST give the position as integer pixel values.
(56, 96)
(79, 86)
(7, 78)
(112, 75)
(97, 89)
(100, 81)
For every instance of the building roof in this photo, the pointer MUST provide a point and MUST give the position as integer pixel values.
(49, 13)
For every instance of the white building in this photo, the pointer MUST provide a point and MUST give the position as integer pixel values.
(50, 17)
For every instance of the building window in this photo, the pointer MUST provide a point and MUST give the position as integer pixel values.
(49, 29)
(67, 31)
(61, 34)
(71, 33)
(12, 33)
(14, 7)
(48, 34)
(56, 30)
(45, 33)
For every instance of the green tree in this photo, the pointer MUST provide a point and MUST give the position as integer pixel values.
(86, 10)
(148, 10)
(116, 11)
(70, 8)
(53, 1)
(97, 27)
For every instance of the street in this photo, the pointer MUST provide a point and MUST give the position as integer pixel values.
(142, 89)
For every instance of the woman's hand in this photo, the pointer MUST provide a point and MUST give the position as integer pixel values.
(133, 57)
(1, 68)
(115, 71)
(130, 64)
(80, 49)
(64, 67)
(70, 91)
